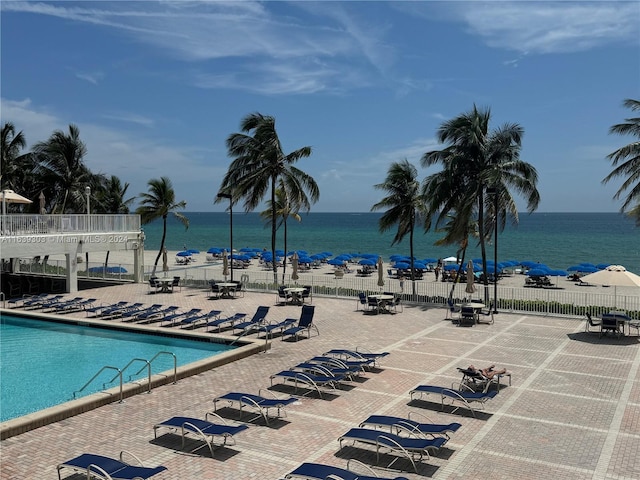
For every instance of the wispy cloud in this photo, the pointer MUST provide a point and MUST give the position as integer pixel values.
(130, 118)
(91, 77)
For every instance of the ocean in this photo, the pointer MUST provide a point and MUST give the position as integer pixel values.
(558, 240)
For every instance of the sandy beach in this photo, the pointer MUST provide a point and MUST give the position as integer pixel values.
(201, 269)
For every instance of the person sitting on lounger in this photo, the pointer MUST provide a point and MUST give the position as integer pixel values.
(488, 372)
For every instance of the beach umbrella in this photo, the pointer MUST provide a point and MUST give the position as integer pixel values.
(380, 273)
(582, 269)
(613, 275)
(9, 196)
(42, 204)
(294, 266)
(450, 259)
(336, 261)
(367, 261)
(184, 253)
(470, 288)
(193, 251)
(538, 272)
(419, 265)
(401, 265)
(225, 264)
(451, 266)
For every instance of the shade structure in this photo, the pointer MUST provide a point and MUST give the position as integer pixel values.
(225, 264)
(294, 266)
(9, 196)
(450, 259)
(470, 288)
(615, 276)
(380, 272)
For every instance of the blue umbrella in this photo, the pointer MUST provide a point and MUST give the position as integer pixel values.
(602, 266)
(401, 265)
(451, 266)
(183, 254)
(96, 269)
(582, 269)
(367, 261)
(537, 272)
(214, 250)
(193, 251)
(116, 270)
(419, 265)
(335, 261)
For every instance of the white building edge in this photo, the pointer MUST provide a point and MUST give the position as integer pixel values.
(29, 236)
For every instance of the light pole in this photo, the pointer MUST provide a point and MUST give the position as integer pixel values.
(494, 192)
(87, 192)
(228, 196)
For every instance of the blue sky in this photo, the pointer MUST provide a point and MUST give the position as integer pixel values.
(157, 87)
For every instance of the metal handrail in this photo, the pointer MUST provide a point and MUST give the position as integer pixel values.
(175, 364)
(148, 365)
(106, 367)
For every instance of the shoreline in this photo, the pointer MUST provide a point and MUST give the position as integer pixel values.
(200, 268)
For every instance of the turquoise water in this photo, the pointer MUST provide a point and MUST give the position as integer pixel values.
(556, 239)
(43, 363)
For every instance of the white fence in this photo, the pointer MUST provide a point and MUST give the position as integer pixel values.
(55, 224)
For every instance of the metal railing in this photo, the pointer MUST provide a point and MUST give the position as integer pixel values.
(15, 225)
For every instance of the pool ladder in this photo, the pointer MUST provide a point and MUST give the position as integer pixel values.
(119, 375)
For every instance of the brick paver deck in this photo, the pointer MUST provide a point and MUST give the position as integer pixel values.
(572, 412)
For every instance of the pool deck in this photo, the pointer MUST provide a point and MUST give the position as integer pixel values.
(572, 411)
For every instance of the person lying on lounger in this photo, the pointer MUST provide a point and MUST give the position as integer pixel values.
(488, 372)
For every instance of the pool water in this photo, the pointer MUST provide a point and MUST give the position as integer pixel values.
(42, 363)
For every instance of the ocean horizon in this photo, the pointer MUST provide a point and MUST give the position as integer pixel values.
(558, 240)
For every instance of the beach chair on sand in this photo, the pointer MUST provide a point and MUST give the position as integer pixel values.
(465, 396)
(97, 466)
(317, 471)
(219, 433)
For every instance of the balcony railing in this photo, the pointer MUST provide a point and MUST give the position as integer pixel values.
(15, 225)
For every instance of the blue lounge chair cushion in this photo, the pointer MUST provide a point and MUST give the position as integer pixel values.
(321, 472)
(262, 404)
(116, 469)
(206, 427)
(411, 425)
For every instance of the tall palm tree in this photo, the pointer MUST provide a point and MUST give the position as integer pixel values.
(626, 161)
(159, 202)
(11, 145)
(61, 164)
(259, 163)
(477, 159)
(405, 206)
(284, 210)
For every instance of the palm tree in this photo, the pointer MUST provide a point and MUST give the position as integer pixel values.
(159, 202)
(11, 146)
(474, 161)
(405, 205)
(61, 164)
(259, 164)
(626, 161)
(284, 210)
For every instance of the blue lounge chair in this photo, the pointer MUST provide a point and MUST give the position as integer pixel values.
(305, 323)
(194, 321)
(398, 424)
(308, 380)
(207, 431)
(356, 354)
(317, 471)
(258, 403)
(253, 323)
(118, 312)
(48, 302)
(411, 448)
(100, 310)
(75, 305)
(225, 322)
(357, 365)
(134, 314)
(65, 303)
(328, 370)
(105, 467)
(174, 319)
(27, 300)
(153, 315)
(449, 395)
(270, 328)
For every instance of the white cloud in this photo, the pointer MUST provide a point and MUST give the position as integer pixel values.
(91, 77)
(130, 118)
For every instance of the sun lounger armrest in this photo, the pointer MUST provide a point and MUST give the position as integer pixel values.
(425, 419)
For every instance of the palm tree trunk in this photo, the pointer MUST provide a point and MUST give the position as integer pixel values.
(273, 230)
(284, 265)
(483, 248)
(460, 267)
(106, 261)
(164, 235)
(413, 273)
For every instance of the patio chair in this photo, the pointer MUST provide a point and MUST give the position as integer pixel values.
(100, 310)
(175, 283)
(611, 324)
(76, 305)
(283, 297)
(109, 468)
(412, 448)
(270, 328)
(450, 395)
(306, 293)
(175, 319)
(154, 285)
(64, 304)
(26, 300)
(374, 304)
(634, 324)
(259, 404)
(358, 354)
(398, 425)
(317, 471)
(151, 315)
(225, 322)
(590, 322)
(362, 301)
(467, 316)
(205, 430)
(134, 314)
(476, 380)
(452, 308)
(305, 323)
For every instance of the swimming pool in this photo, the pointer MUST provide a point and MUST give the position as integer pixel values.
(43, 362)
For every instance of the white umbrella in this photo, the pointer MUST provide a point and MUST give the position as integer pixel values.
(294, 266)
(9, 196)
(613, 275)
(380, 267)
(470, 288)
(43, 211)
(225, 264)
